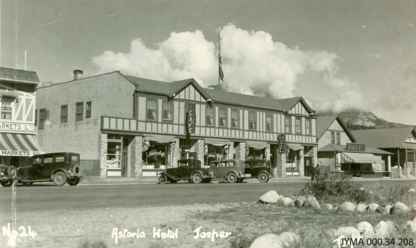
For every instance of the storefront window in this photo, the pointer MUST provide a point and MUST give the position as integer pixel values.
(256, 153)
(292, 160)
(213, 153)
(156, 153)
(114, 155)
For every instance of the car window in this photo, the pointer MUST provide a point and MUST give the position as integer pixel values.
(231, 163)
(59, 159)
(75, 158)
(183, 164)
(47, 160)
(214, 164)
(223, 164)
(257, 164)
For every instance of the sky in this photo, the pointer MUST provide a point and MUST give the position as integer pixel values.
(337, 55)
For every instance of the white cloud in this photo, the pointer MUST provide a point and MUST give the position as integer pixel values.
(252, 63)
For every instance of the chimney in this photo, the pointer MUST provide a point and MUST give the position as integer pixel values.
(77, 74)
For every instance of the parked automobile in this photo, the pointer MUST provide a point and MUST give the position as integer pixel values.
(60, 168)
(260, 169)
(6, 175)
(231, 170)
(189, 170)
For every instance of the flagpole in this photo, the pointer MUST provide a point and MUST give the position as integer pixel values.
(219, 56)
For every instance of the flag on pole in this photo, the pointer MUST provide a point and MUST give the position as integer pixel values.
(221, 73)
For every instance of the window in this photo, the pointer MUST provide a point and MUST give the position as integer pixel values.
(251, 120)
(332, 137)
(308, 127)
(287, 124)
(88, 110)
(79, 109)
(223, 117)
(338, 138)
(210, 116)
(43, 115)
(151, 109)
(235, 123)
(298, 125)
(36, 117)
(64, 113)
(6, 108)
(269, 123)
(167, 110)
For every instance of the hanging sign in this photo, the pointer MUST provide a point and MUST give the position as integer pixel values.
(281, 141)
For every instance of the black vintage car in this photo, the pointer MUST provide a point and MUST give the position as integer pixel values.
(189, 170)
(60, 168)
(260, 169)
(6, 175)
(231, 170)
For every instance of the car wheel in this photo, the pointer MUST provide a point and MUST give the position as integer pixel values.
(74, 181)
(232, 178)
(28, 184)
(196, 178)
(59, 178)
(7, 183)
(190, 181)
(163, 179)
(263, 177)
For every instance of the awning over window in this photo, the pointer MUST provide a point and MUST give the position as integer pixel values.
(294, 147)
(360, 158)
(23, 145)
(7, 93)
(217, 142)
(159, 138)
(257, 145)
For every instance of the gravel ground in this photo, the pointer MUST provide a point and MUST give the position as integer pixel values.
(97, 227)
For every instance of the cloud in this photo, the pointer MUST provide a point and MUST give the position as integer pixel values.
(253, 63)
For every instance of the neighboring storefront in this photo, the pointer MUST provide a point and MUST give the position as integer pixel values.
(17, 116)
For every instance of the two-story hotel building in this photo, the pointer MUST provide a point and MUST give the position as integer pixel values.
(126, 126)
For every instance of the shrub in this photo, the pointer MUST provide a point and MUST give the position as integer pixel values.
(335, 188)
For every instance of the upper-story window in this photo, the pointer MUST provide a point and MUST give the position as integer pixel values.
(252, 120)
(338, 138)
(6, 107)
(308, 128)
(288, 124)
(210, 116)
(235, 123)
(151, 109)
(43, 115)
(332, 137)
(88, 110)
(298, 125)
(223, 117)
(167, 107)
(269, 123)
(79, 111)
(64, 113)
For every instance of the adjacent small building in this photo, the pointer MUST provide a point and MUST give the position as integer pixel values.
(17, 119)
(338, 149)
(125, 126)
(401, 142)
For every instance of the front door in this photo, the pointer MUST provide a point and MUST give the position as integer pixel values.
(307, 166)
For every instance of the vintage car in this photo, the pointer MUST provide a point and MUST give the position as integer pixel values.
(60, 168)
(260, 169)
(231, 170)
(190, 170)
(6, 175)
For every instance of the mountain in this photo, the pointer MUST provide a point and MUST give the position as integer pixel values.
(357, 120)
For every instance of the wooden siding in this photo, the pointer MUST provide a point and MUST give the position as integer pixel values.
(298, 109)
(22, 115)
(335, 126)
(190, 93)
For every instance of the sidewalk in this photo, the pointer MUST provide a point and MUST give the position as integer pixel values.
(154, 180)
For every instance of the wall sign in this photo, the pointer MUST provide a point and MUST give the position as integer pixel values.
(281, 141)
(355, 147)
(16, 127)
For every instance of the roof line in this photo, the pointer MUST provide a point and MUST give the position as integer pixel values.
(99, 75)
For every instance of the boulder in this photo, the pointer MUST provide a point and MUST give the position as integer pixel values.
(347, 206)
(270, 197)
(286, 239)
(385, 229)
(413, 208)
(366, 229)
(327, 207)
(399, 207)
(412, 225)
(412, 190)
(311, 202)
(383, 210)
(348, 232)
(388, 208)
(361, 208)
(285, 201)
(373, 207)
(301, 199)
